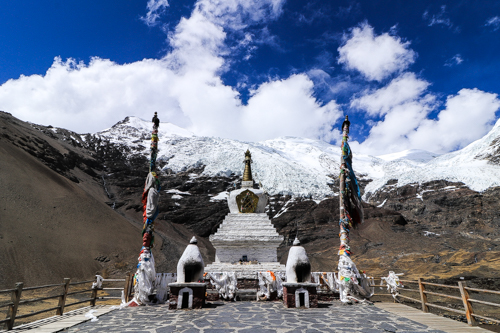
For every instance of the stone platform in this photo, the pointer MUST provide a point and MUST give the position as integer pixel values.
(258, 317)
(253, 317)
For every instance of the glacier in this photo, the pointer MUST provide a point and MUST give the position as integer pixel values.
(308, 167)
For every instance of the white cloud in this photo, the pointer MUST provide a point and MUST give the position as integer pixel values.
(87, 98)
(404, 89)
(467, 116)
(493, 22)
(376, 57)
(155, 9)
(286, 107)
(238, 14)
(403, 105)
(455, 60)
(184, 87)
(439, 18)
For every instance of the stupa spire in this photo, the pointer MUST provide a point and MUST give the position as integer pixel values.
(247, 174)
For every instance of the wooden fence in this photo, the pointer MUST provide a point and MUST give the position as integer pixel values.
(463, 302)
(17, 293)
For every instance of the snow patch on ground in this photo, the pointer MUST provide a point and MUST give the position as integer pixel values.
(220, 196)
(382, 204)
(177, 192)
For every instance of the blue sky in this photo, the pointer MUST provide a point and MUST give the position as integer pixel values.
(410, 74)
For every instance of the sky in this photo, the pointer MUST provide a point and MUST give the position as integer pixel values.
(410, 74)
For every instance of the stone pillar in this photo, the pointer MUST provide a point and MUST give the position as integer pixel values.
(195, 293)
(297, 295)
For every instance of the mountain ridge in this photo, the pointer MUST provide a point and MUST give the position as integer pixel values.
(430, 229)
(307, 167)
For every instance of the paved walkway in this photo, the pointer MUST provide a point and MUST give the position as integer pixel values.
(253, 317)
(59, 323)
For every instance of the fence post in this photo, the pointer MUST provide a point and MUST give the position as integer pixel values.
(467, 305)
(94, 295)
(130, 287)
(423, 296)
(62, 298)
(15, 298)
(126, 289)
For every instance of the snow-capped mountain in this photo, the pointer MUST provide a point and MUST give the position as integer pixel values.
(303, 167)
(476, 165)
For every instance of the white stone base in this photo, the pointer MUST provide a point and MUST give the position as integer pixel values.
(245, 271)
(251, 235)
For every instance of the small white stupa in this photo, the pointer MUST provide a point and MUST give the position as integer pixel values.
(190, 265)
(298, 290)
(187, 292)
(246, 241)
(298, 267)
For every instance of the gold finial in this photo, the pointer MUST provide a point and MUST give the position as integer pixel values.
(247, 174)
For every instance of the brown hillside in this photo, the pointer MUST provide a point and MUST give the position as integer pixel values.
(50, 227)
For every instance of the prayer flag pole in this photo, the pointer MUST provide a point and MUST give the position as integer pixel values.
(351, 214)
(145, 275)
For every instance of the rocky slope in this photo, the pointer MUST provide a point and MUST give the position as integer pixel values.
(54, 222)
(430, 228)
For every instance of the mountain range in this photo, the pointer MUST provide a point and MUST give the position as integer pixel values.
(306, 167)
(426, 214)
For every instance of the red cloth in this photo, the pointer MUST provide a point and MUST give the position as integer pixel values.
(146, 240)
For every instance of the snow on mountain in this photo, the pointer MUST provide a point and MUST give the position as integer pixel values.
(416, 155)
(470, 165)
(303, 167)
(130, 129)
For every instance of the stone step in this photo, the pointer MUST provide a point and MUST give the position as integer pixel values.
(243, 234)
(245, 217)
(248, 237)
(243, 266)
(248, 216)
(246, 295)
(248, 222)
(243, 227)
(248, 231)
(240, 268)
(246, 225)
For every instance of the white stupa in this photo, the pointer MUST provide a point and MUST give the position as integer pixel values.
(246, 241)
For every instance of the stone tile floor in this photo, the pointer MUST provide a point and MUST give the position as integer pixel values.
(252, 317)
